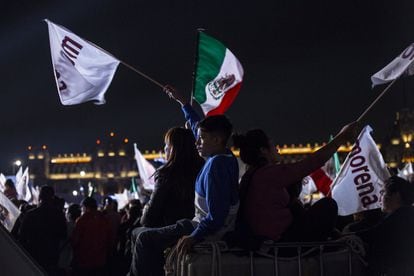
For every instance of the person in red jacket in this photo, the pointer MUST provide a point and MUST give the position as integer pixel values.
(92, 240)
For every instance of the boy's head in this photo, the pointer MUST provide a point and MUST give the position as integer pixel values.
(213, 134)
(89, 204)
(46, 194)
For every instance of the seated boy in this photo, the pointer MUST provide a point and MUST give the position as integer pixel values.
(216, 196)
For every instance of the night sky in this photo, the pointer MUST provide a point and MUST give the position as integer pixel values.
(307, 68)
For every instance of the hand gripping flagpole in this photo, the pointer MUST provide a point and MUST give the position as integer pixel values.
(376, 100)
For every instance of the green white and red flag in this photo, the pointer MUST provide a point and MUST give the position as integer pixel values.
(218, 76)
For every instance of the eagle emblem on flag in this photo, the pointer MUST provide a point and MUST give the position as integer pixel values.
(218, 87)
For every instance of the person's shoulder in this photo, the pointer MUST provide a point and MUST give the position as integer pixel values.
(407, 210)
(228, 156)
(273, 166)
(221, 160)
(30, 213)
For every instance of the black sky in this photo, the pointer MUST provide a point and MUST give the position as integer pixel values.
(307, 67)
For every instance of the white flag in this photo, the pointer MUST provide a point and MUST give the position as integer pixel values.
(3, 180)
(22, 186)
(18, 176)
(82, 71)
(122, 199)
(401, 64)
(8, 212)
(146, 169)
(35, 195)
(406, 172)
(360, 181)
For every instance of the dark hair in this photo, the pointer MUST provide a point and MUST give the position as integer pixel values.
(250, 145)
(135, 211)
(399, 185)
(9, 183)
(219, 124)
(184, 162)
(74, 211)
(59, 203)
(46, 194)
(89, 202)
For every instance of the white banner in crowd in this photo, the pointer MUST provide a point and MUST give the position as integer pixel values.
(8, 212)
(406, 172)
(401, 64)
(19, 175)
(3, 180)
(82, 71)
(122, 199)
(146, 169)
(22, 186)
(360, 181)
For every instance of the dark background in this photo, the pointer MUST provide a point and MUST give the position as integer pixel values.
(307, 68)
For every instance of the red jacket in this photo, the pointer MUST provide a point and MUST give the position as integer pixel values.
(92, 240)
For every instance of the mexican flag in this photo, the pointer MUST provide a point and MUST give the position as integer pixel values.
(218, 77)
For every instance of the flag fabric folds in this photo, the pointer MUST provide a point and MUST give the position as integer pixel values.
(22, 186)
(218, 76)
(406, 172)
(400, 65)
(146, 169)
(18, 176)
(133, 191)
(8, 212)
(35, 195)
(82, 71)
(321, 179)
(361, 179)
(122, 199)
(3, 180)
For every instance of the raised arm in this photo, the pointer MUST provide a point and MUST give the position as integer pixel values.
(189, 113)
(318, 159)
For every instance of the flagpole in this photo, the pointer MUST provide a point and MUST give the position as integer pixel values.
(129, 66)
(108, 53)
(376, 100)
(141, 73)
(195, 64)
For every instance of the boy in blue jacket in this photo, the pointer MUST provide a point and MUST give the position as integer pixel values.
(216, 197)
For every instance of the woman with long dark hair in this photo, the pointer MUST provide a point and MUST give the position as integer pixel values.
(173, 196)
(264, 199)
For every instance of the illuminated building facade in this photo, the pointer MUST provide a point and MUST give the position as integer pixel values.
(111, 164)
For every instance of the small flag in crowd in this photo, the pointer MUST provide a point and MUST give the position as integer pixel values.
(133, 191)
(324, 176)
(321, 179)
(83, 72)
(22, 186)
(19, 174)
(35, 194)
(406, 172)
(3, 180)
(361, 179)
(8, 212)
(401, 64)
(146, 169)
(122, 199)
(218, 77)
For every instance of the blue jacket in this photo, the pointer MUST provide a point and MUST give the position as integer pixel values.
(216, 190)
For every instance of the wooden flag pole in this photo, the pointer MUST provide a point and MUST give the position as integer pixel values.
(376, 100)
(142, 74)
(195, 64)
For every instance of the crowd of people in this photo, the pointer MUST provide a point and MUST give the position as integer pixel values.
(198, 197)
